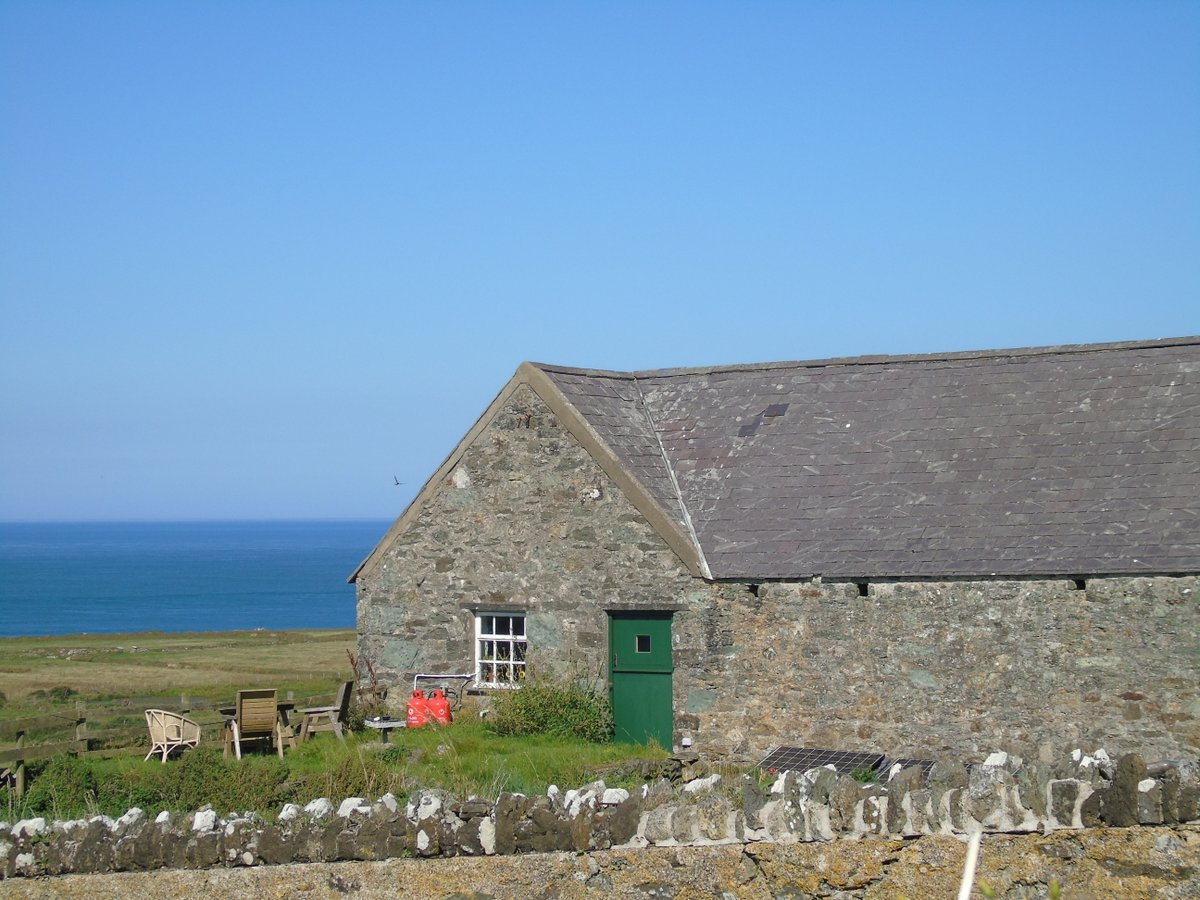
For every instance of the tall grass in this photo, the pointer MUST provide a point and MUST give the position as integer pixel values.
(466, 759)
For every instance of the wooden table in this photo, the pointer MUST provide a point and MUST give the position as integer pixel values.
(385, 725)
(284, 707)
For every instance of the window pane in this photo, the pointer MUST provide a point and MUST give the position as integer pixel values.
(643, 643)
(500, 648)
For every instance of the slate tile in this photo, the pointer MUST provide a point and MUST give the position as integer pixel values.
(952, 444)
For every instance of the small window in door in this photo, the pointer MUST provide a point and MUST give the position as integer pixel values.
(643, 643)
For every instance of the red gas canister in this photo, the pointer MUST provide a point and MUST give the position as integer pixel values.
(439, 706)
(419, 712)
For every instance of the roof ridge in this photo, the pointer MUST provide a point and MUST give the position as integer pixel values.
(591, 373)
(876, 359)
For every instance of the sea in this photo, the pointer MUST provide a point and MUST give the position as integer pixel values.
(108, 577)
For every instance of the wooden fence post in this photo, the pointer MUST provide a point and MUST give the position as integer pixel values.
(19, 768)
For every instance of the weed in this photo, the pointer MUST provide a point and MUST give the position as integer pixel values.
(865, 775)
(363, 710)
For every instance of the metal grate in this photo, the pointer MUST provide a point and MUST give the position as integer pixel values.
(844, 762)
(801, 759)
(904, 763)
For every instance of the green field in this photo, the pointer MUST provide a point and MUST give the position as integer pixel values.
(210, 666)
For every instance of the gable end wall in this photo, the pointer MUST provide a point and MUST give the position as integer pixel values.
(526, 521)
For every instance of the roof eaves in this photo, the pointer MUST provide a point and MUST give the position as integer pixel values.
(953, 574)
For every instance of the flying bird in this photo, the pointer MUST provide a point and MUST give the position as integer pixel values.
(397, 480)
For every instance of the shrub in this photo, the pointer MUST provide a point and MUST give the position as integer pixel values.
(545, 707)
(62, 693)
(65, 786)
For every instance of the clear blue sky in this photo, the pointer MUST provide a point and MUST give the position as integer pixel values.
(258, 258)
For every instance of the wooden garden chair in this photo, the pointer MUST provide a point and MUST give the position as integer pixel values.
(328, 718)
(170, 731)
(256, 718)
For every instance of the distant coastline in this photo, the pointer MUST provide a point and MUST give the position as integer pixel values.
(93, 578)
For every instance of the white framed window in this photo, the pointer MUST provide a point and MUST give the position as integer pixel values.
(500, 645)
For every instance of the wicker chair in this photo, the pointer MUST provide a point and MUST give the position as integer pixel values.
(328, 718)
(255, 718)
(170, 731)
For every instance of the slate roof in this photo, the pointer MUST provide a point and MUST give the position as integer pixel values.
(1069, 460)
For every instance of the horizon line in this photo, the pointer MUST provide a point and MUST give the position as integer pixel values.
(196, 520)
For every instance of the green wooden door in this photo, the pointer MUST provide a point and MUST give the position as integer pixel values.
(639, 649)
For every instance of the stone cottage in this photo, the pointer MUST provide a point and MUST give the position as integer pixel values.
(904, 554)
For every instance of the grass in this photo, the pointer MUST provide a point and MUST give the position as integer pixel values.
(208, 665)
(466, 759)
(54, 674)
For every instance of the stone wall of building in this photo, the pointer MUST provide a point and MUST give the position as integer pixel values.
(923, 668)
(527, 521)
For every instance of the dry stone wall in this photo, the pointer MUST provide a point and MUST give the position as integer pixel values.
(527, 521)
(1130, 863)
(1002, 795)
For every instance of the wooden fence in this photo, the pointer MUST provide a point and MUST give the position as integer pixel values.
(104, 729)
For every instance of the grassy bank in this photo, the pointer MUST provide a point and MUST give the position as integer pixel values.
(37, 671)
(465, 758)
